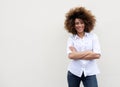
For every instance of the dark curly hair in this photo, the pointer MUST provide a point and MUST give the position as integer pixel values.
(81, 13)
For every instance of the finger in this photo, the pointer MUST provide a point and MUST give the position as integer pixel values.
(71, 48)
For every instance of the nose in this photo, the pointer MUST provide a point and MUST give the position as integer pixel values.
(79, 24)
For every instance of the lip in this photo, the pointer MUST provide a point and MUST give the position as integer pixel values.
(79, 28)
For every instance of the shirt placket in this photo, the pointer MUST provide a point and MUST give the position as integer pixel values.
(83, 64)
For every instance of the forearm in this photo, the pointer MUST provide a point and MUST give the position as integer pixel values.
(87, 55)
(92, 55)
(78, 55)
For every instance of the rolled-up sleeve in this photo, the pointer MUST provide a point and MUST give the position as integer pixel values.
(69, 43)
(96, 44)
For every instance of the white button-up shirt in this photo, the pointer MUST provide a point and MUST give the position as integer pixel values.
(88, 42)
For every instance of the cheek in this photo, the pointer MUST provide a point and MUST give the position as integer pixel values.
(84, 25)
(76, 26)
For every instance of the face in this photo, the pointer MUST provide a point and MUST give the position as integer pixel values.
(79, 25)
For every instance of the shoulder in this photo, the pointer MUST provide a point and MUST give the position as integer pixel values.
(71, 37)
(92, 35)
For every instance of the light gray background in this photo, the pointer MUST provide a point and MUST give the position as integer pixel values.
(33, 42)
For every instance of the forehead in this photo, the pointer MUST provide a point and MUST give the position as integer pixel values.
(78, 20)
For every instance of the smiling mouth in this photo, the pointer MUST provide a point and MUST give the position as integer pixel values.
(80, 28)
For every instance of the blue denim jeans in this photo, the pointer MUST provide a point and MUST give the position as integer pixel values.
(88, 81)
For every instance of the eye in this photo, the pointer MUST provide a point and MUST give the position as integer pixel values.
(81, 22)
(76, 23)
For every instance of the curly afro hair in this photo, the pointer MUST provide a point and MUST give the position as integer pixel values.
(81, 13)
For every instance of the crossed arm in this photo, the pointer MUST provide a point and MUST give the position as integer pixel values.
(87, 55)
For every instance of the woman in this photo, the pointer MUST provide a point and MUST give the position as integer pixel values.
(82, 48)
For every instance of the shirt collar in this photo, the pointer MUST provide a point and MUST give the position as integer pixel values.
(77, 37)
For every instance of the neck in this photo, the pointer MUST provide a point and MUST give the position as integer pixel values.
(81, 35)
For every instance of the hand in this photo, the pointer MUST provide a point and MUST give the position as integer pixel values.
(89, 52)
(72, 49)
